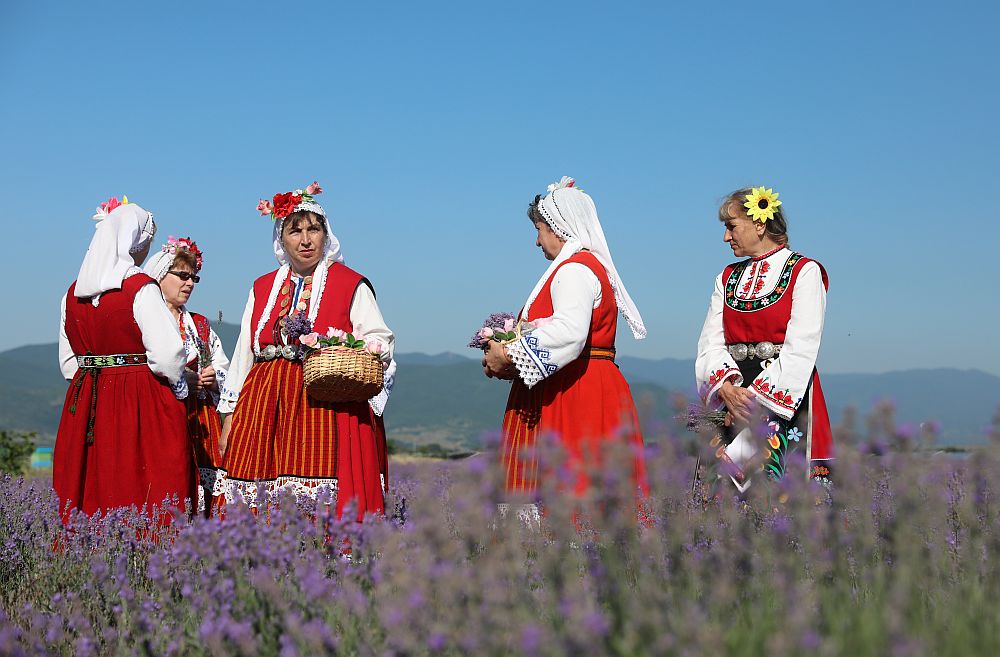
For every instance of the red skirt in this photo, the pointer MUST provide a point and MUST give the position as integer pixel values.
(140, 453)
(282, 438)
(204, 430)
(584, 406)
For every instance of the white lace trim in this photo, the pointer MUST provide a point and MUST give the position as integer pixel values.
(259, 493)
(527, 369)
(379, 401)
(272, 298)
(529, 514)
(210, 481)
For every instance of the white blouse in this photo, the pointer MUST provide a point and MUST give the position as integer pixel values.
(559, 339)
(367, 321)
(788, 375)
(165, 355)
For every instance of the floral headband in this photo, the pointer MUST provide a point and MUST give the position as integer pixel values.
(761, 204)
(105, 208)
(175, 244)
(285, 204)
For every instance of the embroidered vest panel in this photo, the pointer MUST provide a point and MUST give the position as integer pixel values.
(603, 321)
(335, 304)
(764, 318)
(110, 328)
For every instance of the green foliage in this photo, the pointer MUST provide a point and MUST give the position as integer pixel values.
(16, 448)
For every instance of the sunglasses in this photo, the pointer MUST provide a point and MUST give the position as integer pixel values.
(185, 275)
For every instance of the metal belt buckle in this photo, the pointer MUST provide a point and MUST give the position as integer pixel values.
(269, 352)
(766, 350)
(739, 351)
(288, 352)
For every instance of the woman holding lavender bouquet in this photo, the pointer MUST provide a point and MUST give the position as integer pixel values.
(565, 381)
(176, 268)
(275, 435)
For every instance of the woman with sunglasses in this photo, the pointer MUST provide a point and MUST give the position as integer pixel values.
(176, 269)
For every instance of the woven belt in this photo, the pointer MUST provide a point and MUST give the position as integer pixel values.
(270, 352)
(91, 365)
(114, 360)
(602, 353)
(761, 350)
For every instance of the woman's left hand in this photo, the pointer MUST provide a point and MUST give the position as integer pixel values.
(496, 363)
(207, 380)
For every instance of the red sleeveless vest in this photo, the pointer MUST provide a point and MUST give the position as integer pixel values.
(604, 321)
(765, 318)
(334, 306)
(110, 328)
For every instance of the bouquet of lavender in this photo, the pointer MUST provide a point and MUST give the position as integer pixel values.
(499, 327)
(204, 353)
(300, 328)
(698, 418)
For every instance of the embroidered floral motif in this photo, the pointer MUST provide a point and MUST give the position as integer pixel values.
(794, 434)
(781, 398)
(715, 377)
(745, 292)
(751, 305)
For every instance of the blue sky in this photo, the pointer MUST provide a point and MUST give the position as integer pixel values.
(431, 125)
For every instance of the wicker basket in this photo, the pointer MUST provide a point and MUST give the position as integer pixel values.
(342, 374)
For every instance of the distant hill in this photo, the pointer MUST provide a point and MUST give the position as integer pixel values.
(445, 399)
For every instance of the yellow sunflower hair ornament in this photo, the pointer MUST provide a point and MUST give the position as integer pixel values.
(761, 204)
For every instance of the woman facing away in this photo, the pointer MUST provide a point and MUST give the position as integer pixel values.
(275, 436)
(758, 347)
(122, 439)
(176, 267)
(565, 382)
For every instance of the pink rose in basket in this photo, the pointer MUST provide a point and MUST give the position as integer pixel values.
(335, 333)
(374, 347)
(486, 333)
(508, 325)
(309, 339)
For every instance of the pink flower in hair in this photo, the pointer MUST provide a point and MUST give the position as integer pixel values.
(111, 204)
(265, 207)
(314, 189)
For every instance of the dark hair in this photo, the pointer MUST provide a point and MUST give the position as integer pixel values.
(533, 213)
(294, 218)
(185, 257)
(732, 207)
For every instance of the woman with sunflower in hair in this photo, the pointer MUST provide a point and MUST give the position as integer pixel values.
(758, 347)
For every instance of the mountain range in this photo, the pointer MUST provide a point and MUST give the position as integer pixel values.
(444, 398)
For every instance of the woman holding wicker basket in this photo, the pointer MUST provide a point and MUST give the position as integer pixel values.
(298, 415)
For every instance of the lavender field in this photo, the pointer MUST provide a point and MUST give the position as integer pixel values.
(902, 557)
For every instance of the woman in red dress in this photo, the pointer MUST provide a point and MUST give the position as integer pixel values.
(176, 268)
(275, 436)
(565, 381)
(122, 439)
(758, 347)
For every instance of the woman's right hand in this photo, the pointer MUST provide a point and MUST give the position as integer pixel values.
(739, 402)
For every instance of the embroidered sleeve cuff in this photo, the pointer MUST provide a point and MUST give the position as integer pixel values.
(180, 389)
(379, 401)
(710, 389)
(777, 401)
(529, 366)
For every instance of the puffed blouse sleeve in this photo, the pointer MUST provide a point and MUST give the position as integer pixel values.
(714, 366)
(558, 340)
(368, 324)
(67, 359)
(784, 382)
(236, 374)
(165, 353)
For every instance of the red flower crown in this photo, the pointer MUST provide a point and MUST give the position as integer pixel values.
(283, 205)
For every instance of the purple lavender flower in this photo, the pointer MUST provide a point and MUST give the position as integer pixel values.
(298, 325)
(495, 322)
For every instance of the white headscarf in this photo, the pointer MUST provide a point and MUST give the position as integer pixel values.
(125, 230)
(571, 215)
(331, 254)
(158, 266)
